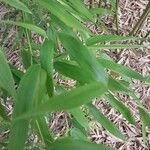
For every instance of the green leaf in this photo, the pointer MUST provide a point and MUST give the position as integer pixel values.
(17, 4)
(101, 11)
(75, 133)
(43, 131)
(28, 26)
(4, 126)
(73, 98)
(79, 116)
(70, 144)
(121, 108)
(6, 79)
(121, 69)
(46, 59)
(108, 38)
(145, 116)
(27, 93)
(115, 85)
(39, 123)
(105, 122)
(17, 74)
(78, 5)
(84, 58)
(26, 58)
(3, 113)
(78, 126)
(72, 71)
(60, 11)
(114, 46)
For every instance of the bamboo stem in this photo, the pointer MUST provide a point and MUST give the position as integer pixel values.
(117, 21)
(141, 20)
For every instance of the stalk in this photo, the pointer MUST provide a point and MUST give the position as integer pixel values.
(141, 20)
(117, 24)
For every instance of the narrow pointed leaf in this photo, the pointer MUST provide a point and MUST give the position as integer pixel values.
(17, 4)
(108, 38)
(121, 69)
(39, 123)
(101, 11)
(105, 122)
(79, 116)
(72, 71)
(60, 11)
(28, 26)
(115, 85)
(43, 131)
(75, 133)
(46, 59)
(6, 79)
(26, 58)
(83, 57)
(121, 108)
(27, 92)
(3, 113)
(145, 116)
(114, 46)
(79, 6)
(70, 144)
(17, 74)
(73, 98)
(75, 72)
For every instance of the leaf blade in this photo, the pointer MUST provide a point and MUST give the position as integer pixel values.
(17, 4)
(105, 122)
(68, 144)
(27, 91)
(6, 79)
(28, 26)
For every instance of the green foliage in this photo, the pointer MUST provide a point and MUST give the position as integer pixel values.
(67, 49)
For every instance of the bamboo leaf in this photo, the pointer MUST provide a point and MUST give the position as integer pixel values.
(77, 125)
(81, 55)
(145, 116)
(73, 98)
(72, 71)
(101, 11)
(116, 85)
(108, 38)
(27, 92)
(46, 59)
(3, 113)
(70, 144)
(43, 131)
(60, 11)
(39, 123)
(17, 4)
(26, 58)
(121, 108)
(105, 122)
(121, 69)
(78, 5)
(75, 133)
(114, 46)
(6, 79)
(79, 116)
(28, 26)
